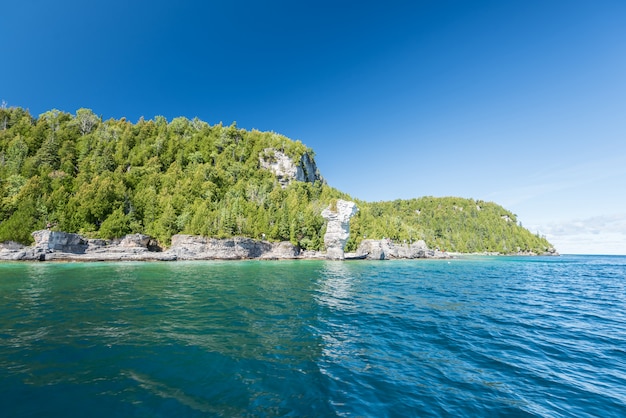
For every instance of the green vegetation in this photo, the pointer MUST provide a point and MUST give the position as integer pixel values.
(106, 179)
(449, 223)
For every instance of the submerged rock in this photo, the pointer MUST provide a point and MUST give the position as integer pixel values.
(338, 227)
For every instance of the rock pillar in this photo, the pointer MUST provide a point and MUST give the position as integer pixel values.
(338, 228)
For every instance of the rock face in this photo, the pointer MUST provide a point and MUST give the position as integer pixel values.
(190, 247)
(59, 241)
(551, 251)
(58, 246)
(63, 246)
(338, 228)
(286, 170)
(386, 250)
(135, 240)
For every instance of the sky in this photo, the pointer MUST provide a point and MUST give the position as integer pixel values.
(519, 102)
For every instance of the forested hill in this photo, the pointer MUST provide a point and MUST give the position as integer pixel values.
(77, 173)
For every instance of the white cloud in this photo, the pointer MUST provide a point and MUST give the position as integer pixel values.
(595, 235)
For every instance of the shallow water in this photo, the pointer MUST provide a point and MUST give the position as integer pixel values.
(466, 337)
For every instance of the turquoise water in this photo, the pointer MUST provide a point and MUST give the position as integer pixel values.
(465, 337)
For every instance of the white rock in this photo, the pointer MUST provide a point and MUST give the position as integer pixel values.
(338, 228)
(286, 170)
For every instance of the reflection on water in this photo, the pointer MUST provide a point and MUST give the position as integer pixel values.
(223, 339)
(479, 337)
(335, 286)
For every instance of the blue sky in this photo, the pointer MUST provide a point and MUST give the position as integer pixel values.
(518, 102)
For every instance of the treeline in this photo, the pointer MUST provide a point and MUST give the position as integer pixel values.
(449, 223)
(78, 173)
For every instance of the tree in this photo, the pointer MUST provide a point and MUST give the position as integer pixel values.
(16, 154)
(110, 178)
(86, 120)
(4, 115)
(117, 224)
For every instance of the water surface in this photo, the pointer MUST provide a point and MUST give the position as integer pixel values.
(467, 337)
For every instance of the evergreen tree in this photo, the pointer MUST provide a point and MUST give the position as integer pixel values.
(109, 178)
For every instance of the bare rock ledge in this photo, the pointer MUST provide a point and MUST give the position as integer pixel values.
(64, 246)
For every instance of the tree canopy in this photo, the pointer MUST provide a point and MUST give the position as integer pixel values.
(78, 173)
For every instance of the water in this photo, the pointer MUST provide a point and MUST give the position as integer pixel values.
(467, 337)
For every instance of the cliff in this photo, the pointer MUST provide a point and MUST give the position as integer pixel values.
(287, 170)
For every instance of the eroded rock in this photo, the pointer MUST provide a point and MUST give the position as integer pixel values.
(385, 249)
(286, 169)
(338, 227)
(191, 247)
(59, 241)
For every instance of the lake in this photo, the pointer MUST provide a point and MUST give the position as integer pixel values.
(475, 336)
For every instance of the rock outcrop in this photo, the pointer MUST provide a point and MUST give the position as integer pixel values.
(63, 246)
(286, 169)
(385, 249)
(47, 240)
(11, 250)
(338, 227)
(551, 251)
(191, 247)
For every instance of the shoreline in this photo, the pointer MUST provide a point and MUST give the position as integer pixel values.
(69, 247)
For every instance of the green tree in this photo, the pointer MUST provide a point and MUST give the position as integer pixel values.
(117, 224)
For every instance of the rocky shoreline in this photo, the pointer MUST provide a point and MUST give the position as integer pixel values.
(63, 246)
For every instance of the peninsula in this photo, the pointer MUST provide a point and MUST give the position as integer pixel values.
(183, 189)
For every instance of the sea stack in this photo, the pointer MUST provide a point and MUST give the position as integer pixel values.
(338, 215)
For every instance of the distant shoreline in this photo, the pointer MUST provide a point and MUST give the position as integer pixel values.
(68, 247)
(63, 246)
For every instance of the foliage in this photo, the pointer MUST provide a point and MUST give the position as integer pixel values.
(449, 223)
(109, 178)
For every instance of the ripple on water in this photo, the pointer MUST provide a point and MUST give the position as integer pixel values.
(467, 337)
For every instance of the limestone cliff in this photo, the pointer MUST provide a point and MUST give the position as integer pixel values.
(47, 240)
(387, 250)
(338, 227)
(286, 169)
(63, 246)
(58, 246)
(190, 247)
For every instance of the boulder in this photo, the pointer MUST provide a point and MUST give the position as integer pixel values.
(47, 240)
(135, 240)
(373, 249)
(338, 227)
